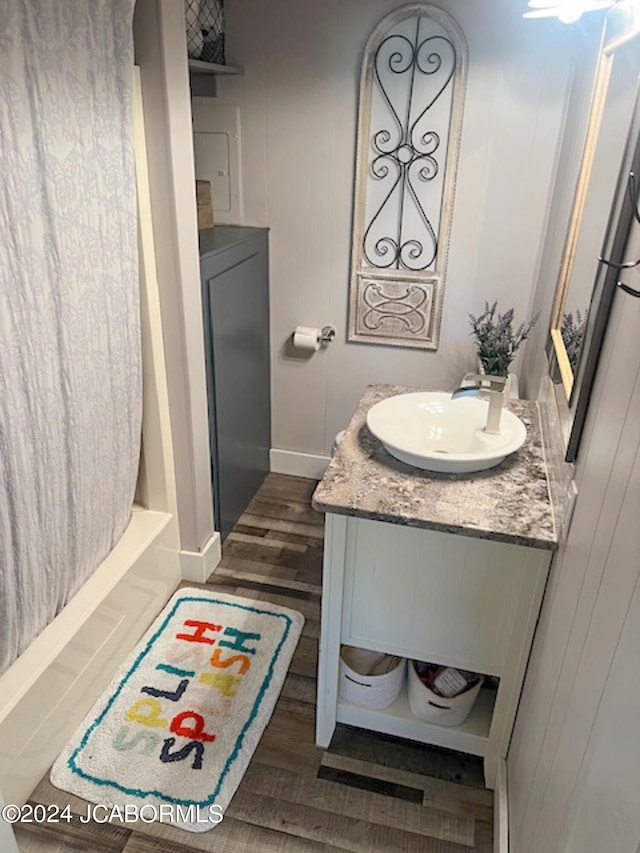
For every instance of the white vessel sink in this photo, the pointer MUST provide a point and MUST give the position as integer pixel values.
(431, 431)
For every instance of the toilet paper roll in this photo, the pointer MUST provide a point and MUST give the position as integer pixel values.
(307, 338)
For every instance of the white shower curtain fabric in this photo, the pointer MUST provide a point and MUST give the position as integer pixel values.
(70, 359)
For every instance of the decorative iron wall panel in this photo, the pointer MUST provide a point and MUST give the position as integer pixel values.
(409, 126)
(397, 308)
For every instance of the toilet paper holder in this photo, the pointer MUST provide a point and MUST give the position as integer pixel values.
(310, 338)
(327, 334)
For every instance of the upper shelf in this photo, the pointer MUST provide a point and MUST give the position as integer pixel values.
(197, 66)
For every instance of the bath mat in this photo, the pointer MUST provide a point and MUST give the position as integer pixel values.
(171, 736)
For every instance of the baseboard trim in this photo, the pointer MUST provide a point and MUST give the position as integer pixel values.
(196, 566)
(501, 811)
(298, 464)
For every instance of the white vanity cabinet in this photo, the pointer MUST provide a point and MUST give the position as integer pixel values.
(444, 569)
(438, 597)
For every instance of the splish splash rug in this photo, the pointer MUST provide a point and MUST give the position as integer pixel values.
(171, 736)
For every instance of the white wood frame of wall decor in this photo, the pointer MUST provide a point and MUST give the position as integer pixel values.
(414, 68)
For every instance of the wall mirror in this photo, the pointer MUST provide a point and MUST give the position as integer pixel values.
(606, 196)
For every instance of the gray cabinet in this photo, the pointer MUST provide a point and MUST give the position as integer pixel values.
(234, 269)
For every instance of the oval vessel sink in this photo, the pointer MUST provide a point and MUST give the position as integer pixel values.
(429, 430)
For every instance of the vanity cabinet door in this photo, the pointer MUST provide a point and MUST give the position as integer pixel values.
(438, 597)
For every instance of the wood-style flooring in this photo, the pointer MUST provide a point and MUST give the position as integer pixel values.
(367, 793)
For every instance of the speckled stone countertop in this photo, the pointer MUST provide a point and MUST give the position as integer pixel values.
(508, 503)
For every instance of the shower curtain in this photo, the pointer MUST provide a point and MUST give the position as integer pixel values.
(70, 360)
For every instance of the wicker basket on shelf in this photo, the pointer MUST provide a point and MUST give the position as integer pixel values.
(204, 22)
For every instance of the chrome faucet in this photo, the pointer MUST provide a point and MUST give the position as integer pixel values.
(489, 388)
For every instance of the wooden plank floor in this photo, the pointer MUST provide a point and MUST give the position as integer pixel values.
(367, 793)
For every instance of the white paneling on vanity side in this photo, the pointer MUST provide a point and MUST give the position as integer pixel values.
(415, 589)
(449, 570)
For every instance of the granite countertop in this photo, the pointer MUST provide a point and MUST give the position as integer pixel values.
(508, 503)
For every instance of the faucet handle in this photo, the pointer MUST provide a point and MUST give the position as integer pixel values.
(492, 387)
(495, 383)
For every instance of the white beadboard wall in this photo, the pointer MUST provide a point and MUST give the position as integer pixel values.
(298, 100)
(570, 723)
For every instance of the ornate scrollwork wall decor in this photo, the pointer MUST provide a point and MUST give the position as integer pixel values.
(409, 125)
(403, 307)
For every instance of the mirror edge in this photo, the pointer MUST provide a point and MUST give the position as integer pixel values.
(622, 24)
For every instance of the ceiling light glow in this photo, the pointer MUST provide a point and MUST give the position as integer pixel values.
(567, 11)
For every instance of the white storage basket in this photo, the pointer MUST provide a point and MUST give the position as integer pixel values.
(370, 691)
(433, 708)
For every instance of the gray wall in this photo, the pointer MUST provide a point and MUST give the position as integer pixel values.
(298, 99)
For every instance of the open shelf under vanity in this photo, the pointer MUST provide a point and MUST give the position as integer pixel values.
(471, 736)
